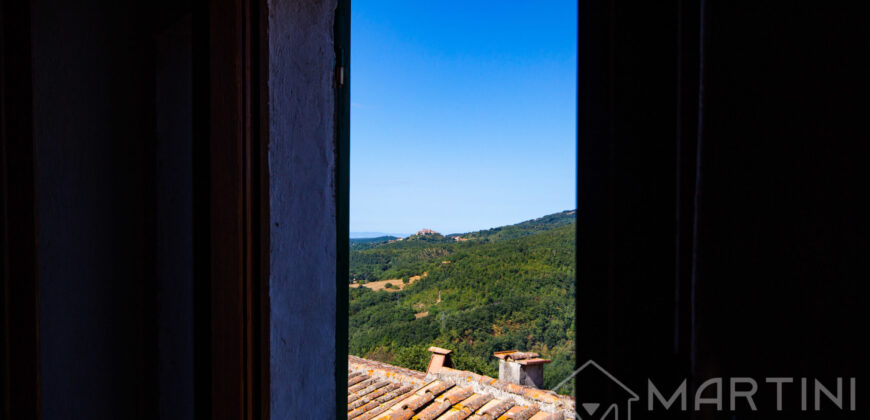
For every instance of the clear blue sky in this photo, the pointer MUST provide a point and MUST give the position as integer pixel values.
(462, 113)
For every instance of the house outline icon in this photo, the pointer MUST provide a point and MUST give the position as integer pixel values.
(591, 408)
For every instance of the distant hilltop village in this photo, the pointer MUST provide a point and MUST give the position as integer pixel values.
(421, 232)
(425, 232)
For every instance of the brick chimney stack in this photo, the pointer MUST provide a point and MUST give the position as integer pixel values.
(440, 358)
(521, 368)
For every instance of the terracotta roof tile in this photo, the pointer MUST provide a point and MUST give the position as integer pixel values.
(380, 408)
(492, 410)
(356, 379)
(359, 399)
(361, 385)
(384, 392)
(519, 413)
(546, 416)
(407, 408)
(444, 402)
(466, 407)
(380, 404)
(353, 396)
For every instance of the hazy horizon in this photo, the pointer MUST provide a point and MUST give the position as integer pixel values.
(369, 234)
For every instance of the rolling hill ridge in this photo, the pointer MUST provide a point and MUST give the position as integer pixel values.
(505, 288)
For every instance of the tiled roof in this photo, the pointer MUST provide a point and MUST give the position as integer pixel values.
(380, 391)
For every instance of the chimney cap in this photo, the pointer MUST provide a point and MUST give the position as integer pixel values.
(515, 355)
(439, 350)
(532, 362)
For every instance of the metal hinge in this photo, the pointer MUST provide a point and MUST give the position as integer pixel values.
(339, 67)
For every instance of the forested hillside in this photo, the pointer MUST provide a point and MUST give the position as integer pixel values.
(505, 288)
(371, 240)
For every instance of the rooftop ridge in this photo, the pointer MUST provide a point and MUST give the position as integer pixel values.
(547, 400)
(386, 371)
(435, 393)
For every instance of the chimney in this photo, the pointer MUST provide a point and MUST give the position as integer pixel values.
(440, 358)
(521, 368)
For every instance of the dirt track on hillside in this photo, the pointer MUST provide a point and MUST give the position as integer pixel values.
(382, 284)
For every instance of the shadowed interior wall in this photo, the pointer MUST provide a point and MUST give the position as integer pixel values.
(782, 230)
(721, 233)
(95, 129)
(173, 89)
(302, 194)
